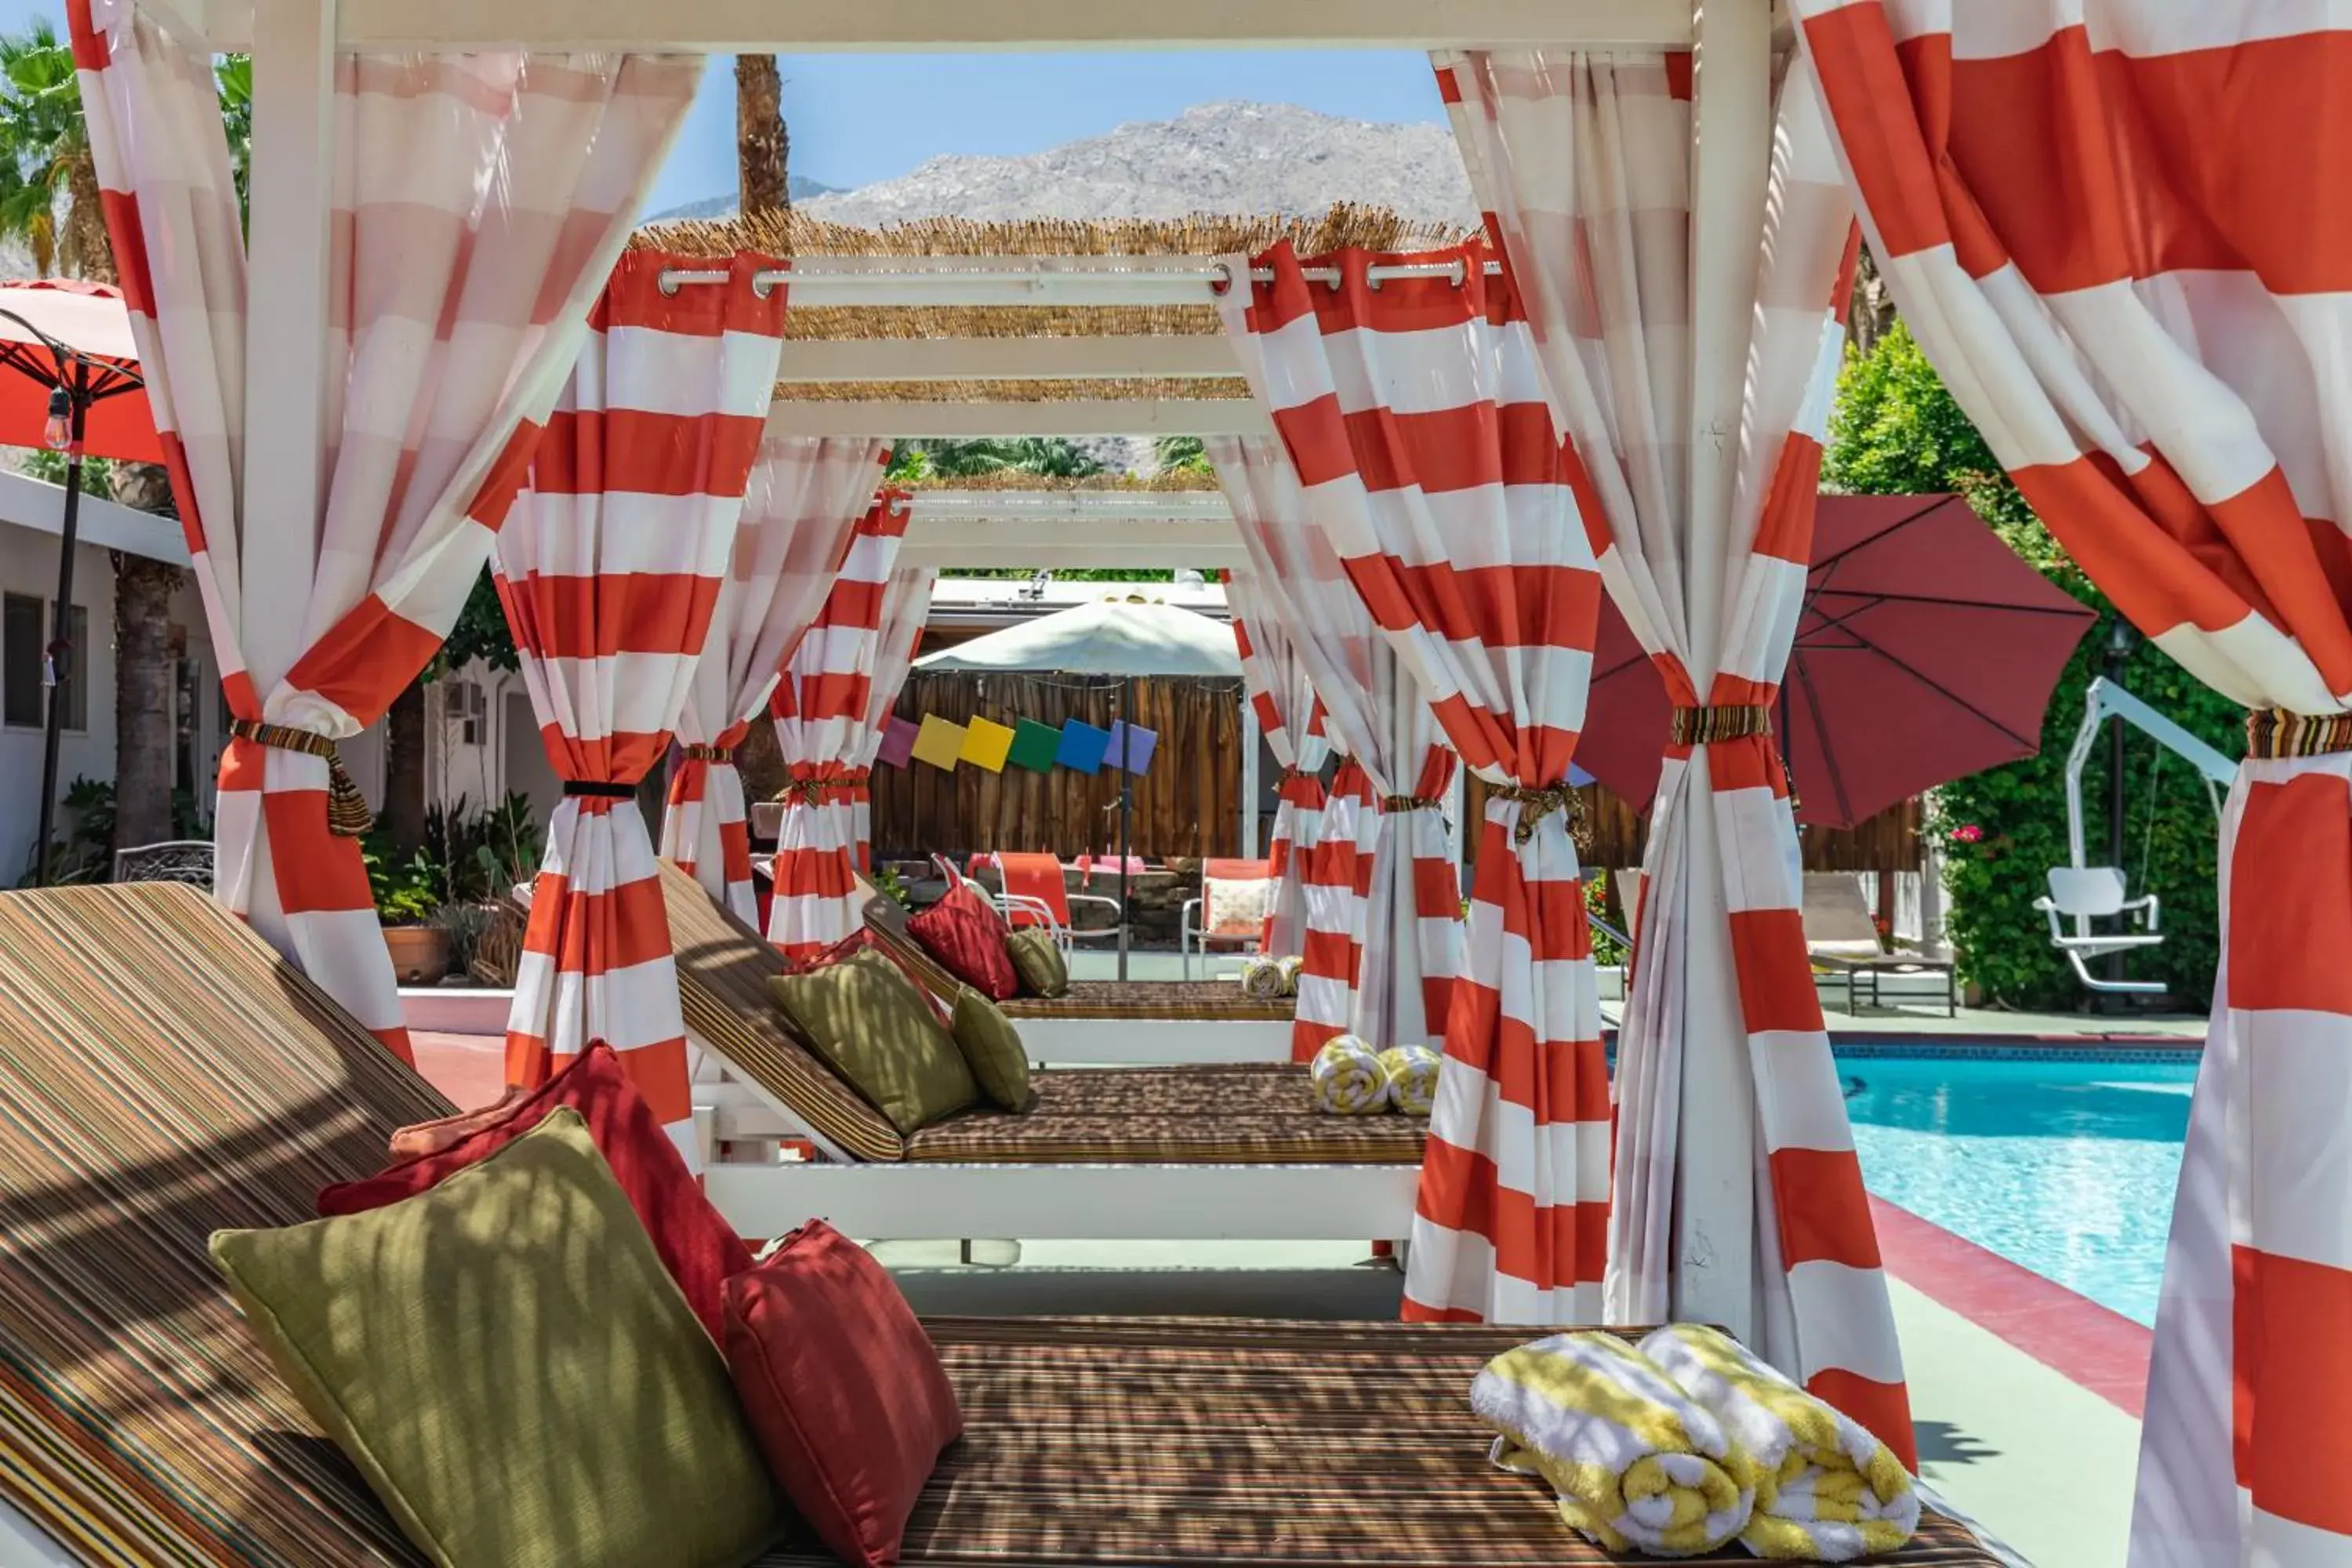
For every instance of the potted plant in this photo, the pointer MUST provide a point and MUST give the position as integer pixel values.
(407, 894)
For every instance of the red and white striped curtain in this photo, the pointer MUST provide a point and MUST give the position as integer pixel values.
(2111, 230)
(1413, 414)
(803, 499)
(1582, 161)
(610, 568)
(459, 302)
(906, 607)
(820, 709)
(1335, 881)
(1291, 719)
(1405, 952)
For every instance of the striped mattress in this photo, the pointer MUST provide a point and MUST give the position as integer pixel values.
(164, 1075)
(1244, 1445)
(1253, 1114)
(1246, 1114)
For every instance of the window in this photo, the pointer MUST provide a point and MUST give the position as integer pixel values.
(24, 665)
(468, 709)
(21, 691)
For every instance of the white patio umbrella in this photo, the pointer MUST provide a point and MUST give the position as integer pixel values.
(1122, 635)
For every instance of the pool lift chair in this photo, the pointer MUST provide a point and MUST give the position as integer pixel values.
(2081, 892)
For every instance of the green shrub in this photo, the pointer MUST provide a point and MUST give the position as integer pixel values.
(1897, 431)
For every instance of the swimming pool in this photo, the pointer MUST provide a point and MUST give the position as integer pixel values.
(2064, 1163)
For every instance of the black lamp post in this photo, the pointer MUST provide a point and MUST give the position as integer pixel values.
(75, 380)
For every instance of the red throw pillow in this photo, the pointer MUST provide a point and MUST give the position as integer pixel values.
(844, 1391)
(963, 933)
(699, 1249)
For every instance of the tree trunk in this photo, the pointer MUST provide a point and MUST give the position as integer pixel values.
(762, 146)
(144, 735)
(1871, 315)
(83, 247)
(403, 767)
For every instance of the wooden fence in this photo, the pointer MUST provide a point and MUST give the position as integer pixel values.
(1187, 803)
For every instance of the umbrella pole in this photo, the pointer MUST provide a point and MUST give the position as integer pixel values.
(60, 648)
(1126, 814)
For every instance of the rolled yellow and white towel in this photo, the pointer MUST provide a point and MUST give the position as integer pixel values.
(1826, 1489)
(1262, 978)
(1636, 1462)
(1348, 1077)
(1290, 970)
(1412, 1075)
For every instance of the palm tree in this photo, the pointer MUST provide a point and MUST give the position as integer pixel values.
(45, 157)
(763, 146)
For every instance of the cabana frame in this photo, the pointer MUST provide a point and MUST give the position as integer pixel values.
(295, 42)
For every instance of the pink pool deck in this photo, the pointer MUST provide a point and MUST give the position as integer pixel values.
(2088, 1344)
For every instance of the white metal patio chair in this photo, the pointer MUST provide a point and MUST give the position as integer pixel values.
(1230, 911)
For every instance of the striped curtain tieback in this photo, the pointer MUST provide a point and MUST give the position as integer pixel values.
(1536, 803)
(1410, 803)
(700, 753)
(348, 815)
(599, 789)
(1701, 726)
(811, 790)
(2276, 733)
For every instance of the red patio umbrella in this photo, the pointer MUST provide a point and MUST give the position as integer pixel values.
(1926, 651)
(75, 389)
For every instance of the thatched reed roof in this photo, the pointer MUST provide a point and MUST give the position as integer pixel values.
(1164, 481)
(1133, 389)
(1205, 234)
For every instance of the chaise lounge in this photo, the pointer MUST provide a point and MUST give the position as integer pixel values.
(1227, 1149)
(169, 1075)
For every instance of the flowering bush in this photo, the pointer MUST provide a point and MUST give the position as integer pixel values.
(1968, 833)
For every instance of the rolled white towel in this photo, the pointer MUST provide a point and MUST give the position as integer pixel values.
(1411, 1072)
(1261, 979)
(1347, 1079)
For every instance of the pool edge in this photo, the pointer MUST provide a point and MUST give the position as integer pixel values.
(2092, 1346)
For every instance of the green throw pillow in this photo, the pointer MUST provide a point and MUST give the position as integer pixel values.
(993, 1047)
(1037, 959)
(866, 1017)
(510, 1367)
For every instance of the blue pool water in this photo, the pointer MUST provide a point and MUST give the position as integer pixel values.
(2065, 1167)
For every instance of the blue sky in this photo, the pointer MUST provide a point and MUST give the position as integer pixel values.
(856, 119)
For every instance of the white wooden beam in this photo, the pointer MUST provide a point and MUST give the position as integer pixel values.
(729, 27)
(1023, 541)
(968, 421)
(1006, 359)
(1715, 1263)
(285, 335)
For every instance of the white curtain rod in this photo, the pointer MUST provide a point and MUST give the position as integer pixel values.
(1051, 281)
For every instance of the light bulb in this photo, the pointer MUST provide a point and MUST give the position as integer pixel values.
(57, 433)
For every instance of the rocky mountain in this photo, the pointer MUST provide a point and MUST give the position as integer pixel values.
(1219, 157)
(798, 188)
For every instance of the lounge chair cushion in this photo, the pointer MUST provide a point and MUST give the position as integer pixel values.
(867, 1019)
(1037, 959)
(992, 1048)
(506, 1361)
(967, 937)
(701, 1249)
(843, 1387)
